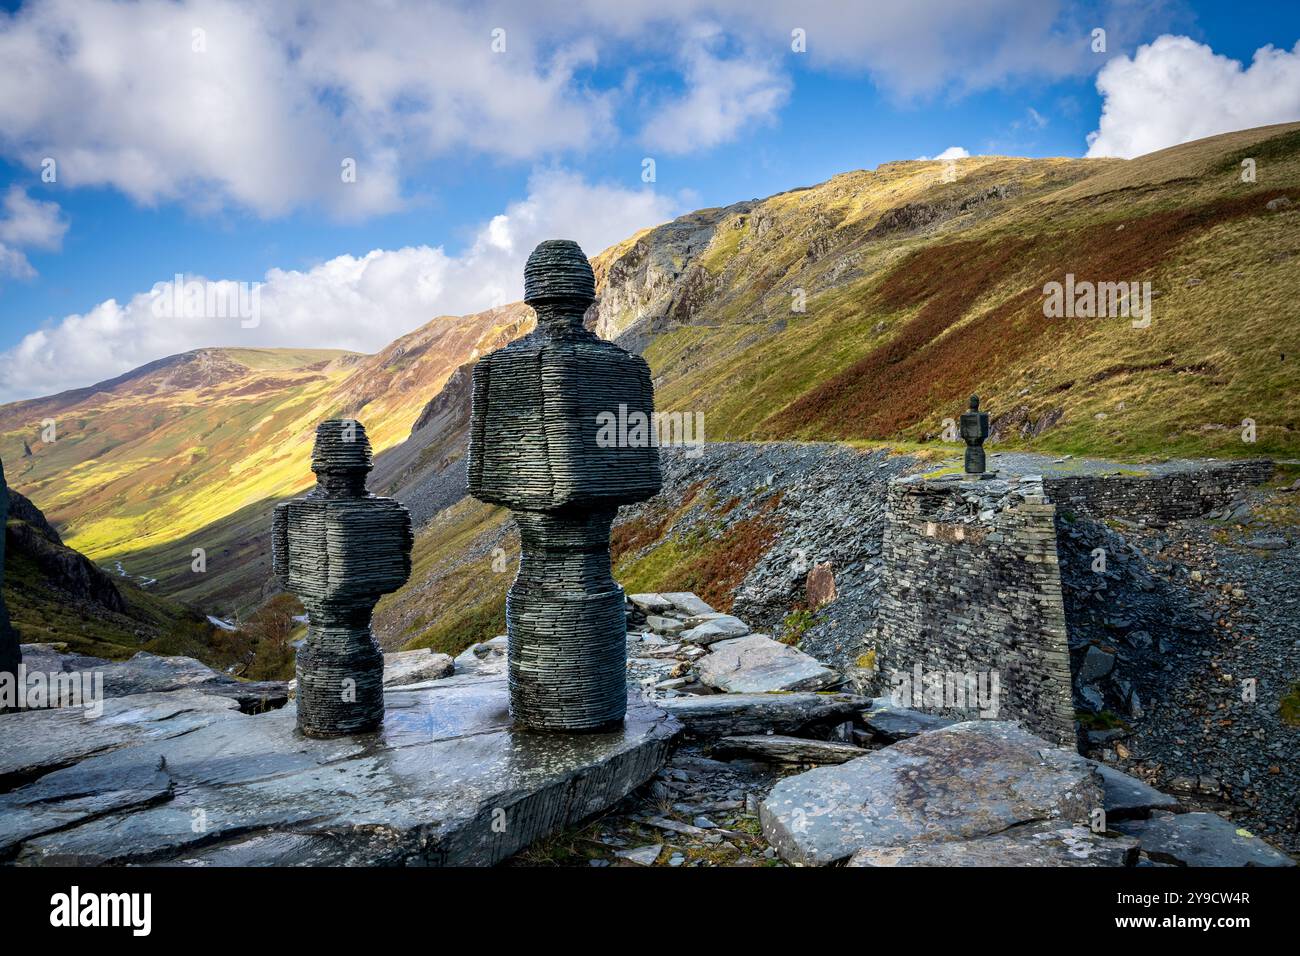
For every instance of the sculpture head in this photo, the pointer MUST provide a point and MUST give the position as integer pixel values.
(341, 457)
(974, 403)
(558, 282)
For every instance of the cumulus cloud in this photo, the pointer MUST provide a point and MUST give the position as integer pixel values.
(220, 102)
(231, 103)
(27, 223)
(952, 152)
(354, 302)
(1175, 90)
(723, 96)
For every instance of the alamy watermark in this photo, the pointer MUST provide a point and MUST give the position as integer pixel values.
(36, 690)
(973, 691)
(1085, 299)
(636, 429)
(203, 299)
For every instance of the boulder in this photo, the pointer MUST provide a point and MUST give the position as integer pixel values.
(1125, 797)
(718, 628)
(969, 780)
(819, 587)
(412, 667)
(487, 657)
(1097, 663)
(784, 749)
(721, 715)
(756, 664)
(1034, 844)
(651, 603)
(1200, 839)
(686, 602)
(891, 724)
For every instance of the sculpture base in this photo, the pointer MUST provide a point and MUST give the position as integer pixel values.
(340, 682)
(974, 461)
(567, 625)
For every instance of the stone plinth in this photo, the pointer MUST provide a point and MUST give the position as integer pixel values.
(446, 780)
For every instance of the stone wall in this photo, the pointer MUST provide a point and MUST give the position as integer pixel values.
(971, 586)
(1169, 497)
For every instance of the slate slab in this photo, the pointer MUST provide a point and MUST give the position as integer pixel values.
(756, 664)
(413, 667)
(1034, 844)
(716, 629)
(1200, 839)
(891, 724)
(147, 673)
(721, 715)
(686, 602)
(969, 780)
(1126, 797)
(781, 748)
(446, 780)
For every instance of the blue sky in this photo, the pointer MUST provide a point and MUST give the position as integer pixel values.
(215, 154)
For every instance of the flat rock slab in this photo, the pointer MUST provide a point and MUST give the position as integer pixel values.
(969, 780)
(1126, 797)
(715, 629)
(1034, 844)
(891, 724)
(487, 658)
(147, 673)
(686, 602)
(1200, 839)
(783, 749)
(759, 665)
(412, 667)
(445, 781)
(722, 715)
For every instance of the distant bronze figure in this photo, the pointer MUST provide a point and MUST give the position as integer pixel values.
(974, 429)
(340, 548)
(537, 447)
(11, 654)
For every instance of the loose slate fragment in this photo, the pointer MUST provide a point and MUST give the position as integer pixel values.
(561, 432)
(339, 549)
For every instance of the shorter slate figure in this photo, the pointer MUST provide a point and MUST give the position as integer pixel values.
(339, 549)
(535, 447)
(974, 429)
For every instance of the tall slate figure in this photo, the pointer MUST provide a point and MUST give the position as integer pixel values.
(533, 448)
(339, 548)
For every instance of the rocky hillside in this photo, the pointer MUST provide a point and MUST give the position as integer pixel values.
(871, 305)
(865, 308)
(194, 450)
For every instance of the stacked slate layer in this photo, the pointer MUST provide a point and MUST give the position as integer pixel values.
(540, 445)
(10, 653)
(339, 549)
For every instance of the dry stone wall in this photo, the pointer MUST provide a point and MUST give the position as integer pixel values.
(971, 593)
(1166, 497)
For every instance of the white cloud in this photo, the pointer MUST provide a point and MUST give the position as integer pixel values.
(352, 302)
(263, 113)
(723, 96)
(27, 223)
(261, 117)
(1175, 90)
(952, 152)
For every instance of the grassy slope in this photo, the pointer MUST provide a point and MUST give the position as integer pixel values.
(961, 302)
(195, 454)
(961, 307)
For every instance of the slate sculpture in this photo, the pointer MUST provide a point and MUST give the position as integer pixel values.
(974, 429)
(535, 447)
(339, 549)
